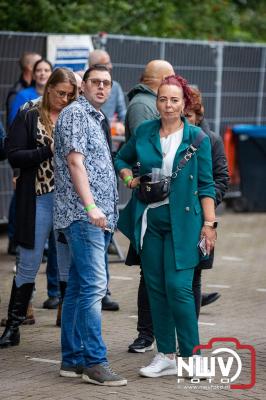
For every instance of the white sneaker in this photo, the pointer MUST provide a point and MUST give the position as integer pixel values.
(161, 365)
(199, 367)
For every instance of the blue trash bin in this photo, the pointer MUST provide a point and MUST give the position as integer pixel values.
(251, 154)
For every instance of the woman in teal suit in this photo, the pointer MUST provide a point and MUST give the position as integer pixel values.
(166, 233)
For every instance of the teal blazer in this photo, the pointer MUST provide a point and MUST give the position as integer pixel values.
(192, 183)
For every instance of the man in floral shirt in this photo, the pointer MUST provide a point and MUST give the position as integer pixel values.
(85, 206)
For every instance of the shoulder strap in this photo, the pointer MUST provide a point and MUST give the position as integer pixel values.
(191, 150)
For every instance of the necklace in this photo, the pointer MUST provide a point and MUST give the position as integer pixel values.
(165, 135)
(171, 141)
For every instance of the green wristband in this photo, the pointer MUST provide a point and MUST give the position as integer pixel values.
(127, 179)
(89, 207)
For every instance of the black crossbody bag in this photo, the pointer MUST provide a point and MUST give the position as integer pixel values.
(153, 192)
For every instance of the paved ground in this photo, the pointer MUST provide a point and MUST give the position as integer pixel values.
(30, 371)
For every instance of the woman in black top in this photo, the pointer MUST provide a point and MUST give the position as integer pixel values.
(30, 148)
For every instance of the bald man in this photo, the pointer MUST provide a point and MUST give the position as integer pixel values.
(116, 102)
(142, 97)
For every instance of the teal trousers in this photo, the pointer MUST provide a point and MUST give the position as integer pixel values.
(169, 290)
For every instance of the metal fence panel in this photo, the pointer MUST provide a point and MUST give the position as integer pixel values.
(231, 77)
(12, 46)
(129, 58)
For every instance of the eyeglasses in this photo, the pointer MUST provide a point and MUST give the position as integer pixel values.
(62, 95)
(96, 82)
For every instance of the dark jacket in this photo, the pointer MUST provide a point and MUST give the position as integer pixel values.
(220, 176)
(142, 107)
(219, 163)
(24, 154)
(106, 129)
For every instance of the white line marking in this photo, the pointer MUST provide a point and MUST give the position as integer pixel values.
(240, 235)
(44, 360)
(219, 286)
(121, 278)
(261, 290)
(228, 258)
(132, 316)
(207, 323)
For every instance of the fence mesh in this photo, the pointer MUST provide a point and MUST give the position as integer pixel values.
(231, 77)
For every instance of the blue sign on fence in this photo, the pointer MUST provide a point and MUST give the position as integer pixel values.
(70, 51)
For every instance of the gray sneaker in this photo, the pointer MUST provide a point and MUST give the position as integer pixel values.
(71, 371)
(101, 374)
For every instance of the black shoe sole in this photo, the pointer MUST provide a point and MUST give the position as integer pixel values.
(211, 301)
(143, 350)
(110, 309)
(4, 346)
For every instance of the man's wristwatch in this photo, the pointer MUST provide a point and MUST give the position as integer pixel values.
(212, 224)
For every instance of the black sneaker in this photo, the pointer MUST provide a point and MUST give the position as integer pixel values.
(51, 303)
(140, 345)
(108, 304)
(208, 298)
(103, 375)
(71, 372)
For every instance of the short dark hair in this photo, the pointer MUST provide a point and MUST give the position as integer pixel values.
(96, 67)
(24, 59)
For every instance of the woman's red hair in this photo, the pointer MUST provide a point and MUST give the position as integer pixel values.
(179, 81)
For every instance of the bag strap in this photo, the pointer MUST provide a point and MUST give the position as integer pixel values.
(191, 150)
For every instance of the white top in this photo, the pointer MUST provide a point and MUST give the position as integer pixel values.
(169, 147)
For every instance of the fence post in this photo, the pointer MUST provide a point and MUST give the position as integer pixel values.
(261, 86)
(162, 50)
(218, 83)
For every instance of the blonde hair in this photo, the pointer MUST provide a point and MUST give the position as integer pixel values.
(59, 75)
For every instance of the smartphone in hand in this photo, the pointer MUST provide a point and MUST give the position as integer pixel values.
(202, 246)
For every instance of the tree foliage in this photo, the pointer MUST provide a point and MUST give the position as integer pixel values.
(206, 19)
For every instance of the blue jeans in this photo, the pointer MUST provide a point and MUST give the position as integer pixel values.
(81, 337)
(30, 259)
(63, 257)
(107, 238)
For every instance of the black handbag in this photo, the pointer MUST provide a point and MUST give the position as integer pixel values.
(153, 192)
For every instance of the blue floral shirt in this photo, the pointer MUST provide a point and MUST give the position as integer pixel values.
(78, 128)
